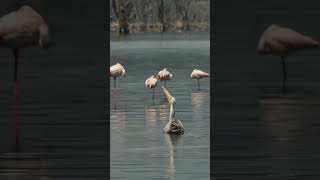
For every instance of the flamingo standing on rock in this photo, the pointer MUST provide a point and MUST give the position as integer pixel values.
(19, 29)
(198, 74)
(282, 41)
(174, 125)
(164, 75)
(116, 71)
(151, 83)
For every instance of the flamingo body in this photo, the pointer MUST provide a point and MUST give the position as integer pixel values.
(151, 82)
(24, 28)
(164, 75)
(117, 70)
(198, 74)
(282, 41)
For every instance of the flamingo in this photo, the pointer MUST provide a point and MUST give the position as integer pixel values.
(151, 83)
(174, 125)
(19, 29)
(116, 71)
(164, 75)
(282, 41)
(198, 74)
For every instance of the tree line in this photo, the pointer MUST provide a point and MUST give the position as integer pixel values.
(159, 15)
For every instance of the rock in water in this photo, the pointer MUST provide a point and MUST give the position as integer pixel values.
(174, 127)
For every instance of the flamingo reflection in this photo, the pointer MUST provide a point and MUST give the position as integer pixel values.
(172, 140)
(151, 115)
(198, 99)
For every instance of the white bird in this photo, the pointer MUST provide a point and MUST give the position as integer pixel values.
(198, 74)
(174, 126)
(22, 28)
(164, 75)
(116, 71)
(151, 83)
(282, 41)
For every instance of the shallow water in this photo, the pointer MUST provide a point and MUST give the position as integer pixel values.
(138, 147)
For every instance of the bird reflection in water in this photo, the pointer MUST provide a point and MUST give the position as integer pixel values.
(278, 116)
(117, 114)
(151, 115)
(163, 111)
(198, 98)
(115, 98)
(172, 141)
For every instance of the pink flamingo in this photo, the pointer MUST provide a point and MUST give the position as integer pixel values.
(198, 74)
(164, 75)
(151, 83)
(281, 41)
(116, 71)
(22, 29)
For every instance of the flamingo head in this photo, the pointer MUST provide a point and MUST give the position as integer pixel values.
(44, 37)
(124, 73)
(263, 47)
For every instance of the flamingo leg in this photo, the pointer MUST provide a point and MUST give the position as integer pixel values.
(114, 82)
(16, 59)
(152, 93)
(16, 101)
(284, 71)
(165, 83)
(198, 85)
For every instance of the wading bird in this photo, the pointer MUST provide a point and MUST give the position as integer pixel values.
(19, 29)
(174, 126)
(116, 71)
(164, 75)
(151, 83)
(282, 41)
(198, 74)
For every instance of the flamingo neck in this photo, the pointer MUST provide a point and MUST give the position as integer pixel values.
(172, 113)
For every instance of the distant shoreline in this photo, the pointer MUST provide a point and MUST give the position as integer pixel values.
(140, 27)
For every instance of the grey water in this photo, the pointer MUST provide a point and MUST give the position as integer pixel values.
(138, 147)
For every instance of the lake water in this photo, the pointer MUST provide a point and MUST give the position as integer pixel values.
(138, 147)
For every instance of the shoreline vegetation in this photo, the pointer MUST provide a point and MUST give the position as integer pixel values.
(159, 16)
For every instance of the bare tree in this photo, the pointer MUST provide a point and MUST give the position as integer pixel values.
(122, 10)
(164, 13)
(143, 10)
(183, 8)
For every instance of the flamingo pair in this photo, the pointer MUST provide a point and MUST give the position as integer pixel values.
(152, 81)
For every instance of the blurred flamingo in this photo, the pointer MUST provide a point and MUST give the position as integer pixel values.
(116, 71)
(151, 83)
(198, 74)
(282, 41)
(164, 75)
(22, 28)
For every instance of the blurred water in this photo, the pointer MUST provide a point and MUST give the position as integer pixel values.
(139, 149)
(259, 132)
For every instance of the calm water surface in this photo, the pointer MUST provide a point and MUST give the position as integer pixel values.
(139, 149)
